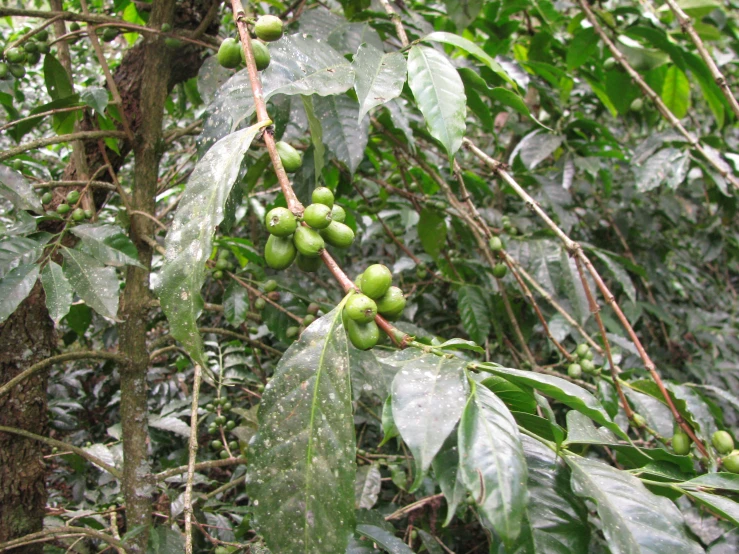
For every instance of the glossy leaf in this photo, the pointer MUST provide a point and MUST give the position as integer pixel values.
(389, 429)
(343, 133)
(235, 304)
(474, 312)
(316, 136)
(428, 396)
(302, 461)
(15, 251)
(449, 475)
(634, 520)
(676, 92)
(367, 486)
(15, 287)
(96, 284)
(58, 291)
(721, 505)
(492, 463)
(16, 188)
(379, 77)
(57, 79)
(190, 238)
(108, 244)
(389, 542)
(439, 92)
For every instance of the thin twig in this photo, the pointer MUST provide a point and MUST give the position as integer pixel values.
(54, 184)
(60, 531)
(39, 143)
(192, 456)
(396, 21)
(198, 467)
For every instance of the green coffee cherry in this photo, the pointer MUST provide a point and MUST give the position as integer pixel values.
(582, 350)
(290, 158)
(574, 371)
(269, 286)
(229, 55)
(338, 213)
(230, 425)
(323, 195)
(33, 58)
(609, 64)
(376, 280)
(222, 264)
(279, 252)
(731, 462)
(362, 335)
(233, 445)
(358, 281)
(317, 216)
(73, 197)
(110, 34)
(172, 43)
(280, 222)
(74, 26)
(496, 245)
(42, 35)
(261, 55)
(313, 308)
(17, 71)
(307, 320)
(309, 265)
(226, 405)
(337, 234)
(43, 48)
(223, 455)
(308, 242)
(213, 430)
(218, 274)
(17, 165)
(637, 105)
(360, 308)
(4, 70)
(31, 47)
(47, 198)
(681, 443)
(166, 27)
(260, 303)
(62, 209)
(15, 55)
(216, 445)
(392, 303)
(292, 332)
(639, 420)
(78, 214)
(268, 28)
(500, 270)
(722, 442)
(89, 214)
(587, 366)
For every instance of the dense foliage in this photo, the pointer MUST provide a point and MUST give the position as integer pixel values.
(505, 321)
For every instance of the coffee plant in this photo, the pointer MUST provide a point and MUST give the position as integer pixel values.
(369, 276)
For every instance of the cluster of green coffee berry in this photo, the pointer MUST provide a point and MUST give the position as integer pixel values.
(29, 54)
(219, 407)
(496, 245)
(377, 296)
(583, 362)
(73, 197)
(222, 264)
(268, 28)
(288, 239)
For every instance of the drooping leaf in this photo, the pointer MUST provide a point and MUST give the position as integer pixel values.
(676, 92)
(721, 505)
(316, 136)
(96, 98)
(492, 462)
(439, 93)
(302, 461)
(474, 312)
(367, 486)
(389, 542)
(634, 520)
(58, 291)
(57, 80)
(432, 232)
(535, 147)
(15, 251)
(235, 304)
(15, 287)
(108, 244)
(379, 77)
(96, 284)
(583, 45)
(449, 475)
(16, 188)
(389, 429)
(343, 133)
(428, 396)
(190, 237)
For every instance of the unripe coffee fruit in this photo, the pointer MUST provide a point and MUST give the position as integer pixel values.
(362, 335)
(338, 213)
(268, 28)
(309, 265)
(587, 366)
(280, 222)
(290, 158)
(337, 234)
(308, 242)
(323, 195)
(610, 63)
(47, 198)
(78, 214)
(731, 462)
(637, 105)
(574, 371)
(361, 308)
(500, 270)
(680, 443)
(73, 197)
(582, 350)
(229, 55)
(722, 442)
(317, 216)
(261, 55)
(62, 209)
(292, 332)
(269, 285)
(496, 245)
(110, 34)
(279, 252)
(376, 280)
(392, 303)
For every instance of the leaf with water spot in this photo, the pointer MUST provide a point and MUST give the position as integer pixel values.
(96, 284)
(58, 291)
(190, 238)
(379, 77)
(302, 461)
(14, 288)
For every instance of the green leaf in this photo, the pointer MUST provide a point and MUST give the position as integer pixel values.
(58, 291)
(389, 542)
(96, 98)
(18, 131)
(343, 133)
(428, 396)
(16, 188)
(367, 486)
(633, 519)
(669, 165)
(492, 462)
(378, 77)
(302, 461)
(56, 78)
(15, 287)
(439, 93)
(721, 505)
(460, 344)
(471, 48)
(190, 239)
(676, 92)
(15, 251)
(316, 136)
(449, 475)
(725, 481)
(389, 429)
(235, 304)
(108, 244)
(475, 312)
(512, 396)
(618, 272)
(563, 391)
(96, 284)
(432, 232)
(583, 45)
